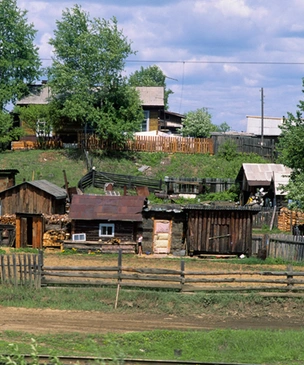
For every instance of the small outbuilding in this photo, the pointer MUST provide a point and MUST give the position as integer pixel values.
(7, 178)
(267, 179)
(219, 230)
(38, 196)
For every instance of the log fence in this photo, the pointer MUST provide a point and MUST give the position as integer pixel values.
(28, 270)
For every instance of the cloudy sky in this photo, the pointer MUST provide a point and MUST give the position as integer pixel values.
(217, 54)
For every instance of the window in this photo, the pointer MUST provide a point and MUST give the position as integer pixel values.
(145, 122)
(106, 230)
(79, 237)
(43, 130)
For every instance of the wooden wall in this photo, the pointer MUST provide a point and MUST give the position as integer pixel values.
(125, 231)
(219, 231)
(28, 199)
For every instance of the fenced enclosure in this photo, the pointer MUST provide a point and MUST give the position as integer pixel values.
(286, 247)
(19, 269)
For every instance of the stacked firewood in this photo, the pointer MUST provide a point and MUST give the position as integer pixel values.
(53, 239)
(289, 218)
(57, 219)
(8, 219)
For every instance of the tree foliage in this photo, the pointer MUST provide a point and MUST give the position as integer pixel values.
(291, 153)
(19, 62)
(198, 124)
(86, 75)
(151, 76)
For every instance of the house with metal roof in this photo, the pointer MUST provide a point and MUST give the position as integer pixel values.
(264, 179)
(106, 219)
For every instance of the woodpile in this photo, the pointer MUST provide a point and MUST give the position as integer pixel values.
(53, 239)
(8, 219)
(288, 218)
(62, 219)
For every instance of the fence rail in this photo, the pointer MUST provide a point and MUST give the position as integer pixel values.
(29, 270)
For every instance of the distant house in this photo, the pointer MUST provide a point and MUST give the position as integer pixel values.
(171, 122)
(7, 178)
(253, 177)
(270, 125)
(103, 218)
(152, 100)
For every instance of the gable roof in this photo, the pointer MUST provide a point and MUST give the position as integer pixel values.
(44, 185)
(151, 95)
(262, 174)
(104, 207)
(39, 95)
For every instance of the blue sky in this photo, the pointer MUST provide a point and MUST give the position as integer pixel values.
(216, 53)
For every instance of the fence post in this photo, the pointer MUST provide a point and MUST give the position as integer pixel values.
(118, 276)
(182, 276)
(289, 277)
(40, 268)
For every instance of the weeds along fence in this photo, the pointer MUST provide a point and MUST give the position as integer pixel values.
(29, 270)
(21, 269)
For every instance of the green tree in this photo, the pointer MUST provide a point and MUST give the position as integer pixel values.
(198, 124)
(86, 76)
(224, 127)
(19, 62)
(151, 76)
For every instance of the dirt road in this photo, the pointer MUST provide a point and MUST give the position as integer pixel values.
(38, 321)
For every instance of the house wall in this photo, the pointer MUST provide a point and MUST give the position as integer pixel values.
(125, 231)
(178, 229)
(219, 231)
(153, 119)
(28, 199)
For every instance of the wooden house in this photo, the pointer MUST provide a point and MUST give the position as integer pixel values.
(219, 230)
(170, 122)
(152, 100)
(106, 219)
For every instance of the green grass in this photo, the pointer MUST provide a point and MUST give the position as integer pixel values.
(49, 164)
(248, 346)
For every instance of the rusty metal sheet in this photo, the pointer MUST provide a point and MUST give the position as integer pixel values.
(104, 207)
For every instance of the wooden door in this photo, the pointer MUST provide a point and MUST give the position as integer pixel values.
(162, 236)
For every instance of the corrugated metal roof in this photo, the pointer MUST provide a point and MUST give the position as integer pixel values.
(104, 207)
(151, 95)
(262, 174)
(44, 185)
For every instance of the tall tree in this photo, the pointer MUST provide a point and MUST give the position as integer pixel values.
(198, 124)
(291, 153)
(19, 61)
(86, 75)
(151, 76)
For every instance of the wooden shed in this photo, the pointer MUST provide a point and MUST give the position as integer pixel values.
(219, 230)
(38, 196)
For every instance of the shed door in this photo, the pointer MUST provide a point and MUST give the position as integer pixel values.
(162, 236)
(220, 238)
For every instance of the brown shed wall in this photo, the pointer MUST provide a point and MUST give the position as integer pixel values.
(28, 199)
(219, 231)
(153, 125)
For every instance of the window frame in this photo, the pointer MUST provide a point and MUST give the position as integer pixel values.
(107, 225)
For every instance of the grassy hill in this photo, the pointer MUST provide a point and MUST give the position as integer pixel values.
(49, 165)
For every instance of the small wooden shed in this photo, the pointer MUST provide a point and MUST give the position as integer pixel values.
(219, 230)
(38, 196)
(7, 178)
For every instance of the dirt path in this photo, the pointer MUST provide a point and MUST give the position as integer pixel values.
(39, 321)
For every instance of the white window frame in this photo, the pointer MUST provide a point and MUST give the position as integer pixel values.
(146, 121)
(81, 237)
(41, 129)
(106, 225)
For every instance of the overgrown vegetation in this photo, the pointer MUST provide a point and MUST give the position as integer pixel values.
(49, 165)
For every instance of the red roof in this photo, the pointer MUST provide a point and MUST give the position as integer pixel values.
(104, 207)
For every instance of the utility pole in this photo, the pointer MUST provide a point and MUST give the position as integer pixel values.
(262, 117)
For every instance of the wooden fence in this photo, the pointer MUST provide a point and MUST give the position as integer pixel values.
(149, 144)
(286, 247)
(23, 269)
